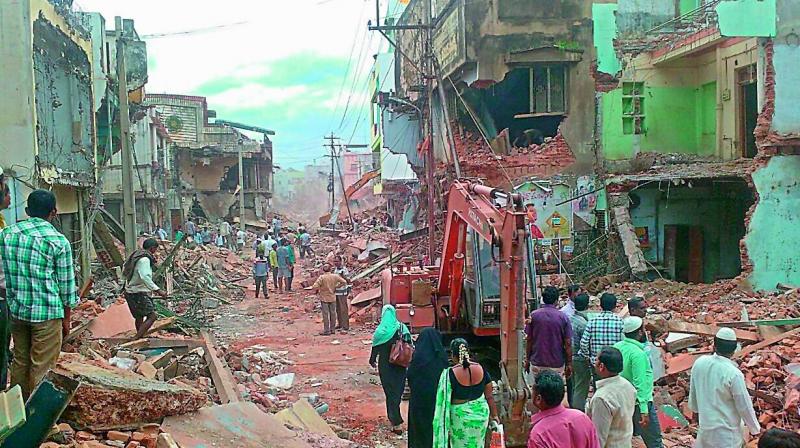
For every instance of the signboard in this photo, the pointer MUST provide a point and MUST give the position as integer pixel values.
(449, 40)
(410, 43)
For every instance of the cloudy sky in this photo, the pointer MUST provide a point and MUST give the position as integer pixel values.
(299, 67)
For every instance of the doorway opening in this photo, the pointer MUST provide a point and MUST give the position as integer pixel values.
(746, 78)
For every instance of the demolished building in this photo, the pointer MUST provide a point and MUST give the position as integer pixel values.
(205, 161)
(700, 135)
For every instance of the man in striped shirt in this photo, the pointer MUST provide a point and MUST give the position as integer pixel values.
(40, 289)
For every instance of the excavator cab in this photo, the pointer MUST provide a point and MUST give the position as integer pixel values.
(482, 284)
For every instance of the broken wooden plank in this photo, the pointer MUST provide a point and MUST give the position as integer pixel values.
(377, 267)
(765, 343)
(222, 377)
(760, 322)
(156, 342)
(709, 330)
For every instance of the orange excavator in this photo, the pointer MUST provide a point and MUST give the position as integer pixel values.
(482, 288)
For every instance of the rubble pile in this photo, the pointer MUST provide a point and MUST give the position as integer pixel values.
(478, 160)
(769, 361)
(260, 374)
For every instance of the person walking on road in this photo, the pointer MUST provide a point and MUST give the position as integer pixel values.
(241, 235)
(40, 289)
(581, 377)
(464, 402)
(274, 267)
(342, 295)
(225, 229)
(427, 364)
(611, 408)
(549, 339)
(325, 287)
(260, 274)
(555, 426)
(393, 377)
(283, 268)
(638, 370)
(290, 257)
(139, 284)
(718, 394)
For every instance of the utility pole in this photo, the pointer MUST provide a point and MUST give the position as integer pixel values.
(331, 183)
(128, 197)
(430, 160)
(241, 188)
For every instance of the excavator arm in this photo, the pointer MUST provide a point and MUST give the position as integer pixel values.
(497, 217)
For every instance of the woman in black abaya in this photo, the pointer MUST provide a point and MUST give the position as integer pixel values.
(427, 364)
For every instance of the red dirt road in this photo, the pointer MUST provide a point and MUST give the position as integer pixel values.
(290, 322)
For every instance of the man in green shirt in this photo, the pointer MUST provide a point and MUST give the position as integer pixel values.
(40, 289)
(639, 372)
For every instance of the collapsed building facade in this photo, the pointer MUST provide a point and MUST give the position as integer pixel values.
(655, 138)
(699, 137)
(64, 128)
(205, 164)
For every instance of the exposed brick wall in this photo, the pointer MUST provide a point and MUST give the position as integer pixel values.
(478, 160)
(603, 82)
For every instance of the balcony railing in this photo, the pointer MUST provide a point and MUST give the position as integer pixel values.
(674, 30)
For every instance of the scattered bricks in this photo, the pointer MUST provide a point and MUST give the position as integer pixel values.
(138, 436)
(150, 441)
(110, 398)
(118, 435)
(115, 443)
(49, 445)
(83, 436)
(133, 444)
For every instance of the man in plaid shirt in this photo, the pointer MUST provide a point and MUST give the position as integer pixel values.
(602, 331)
(40, 289)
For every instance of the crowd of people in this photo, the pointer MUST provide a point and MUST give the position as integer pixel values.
(591, 382)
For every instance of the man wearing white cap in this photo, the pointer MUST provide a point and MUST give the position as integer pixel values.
(718, 394)
(639, 372)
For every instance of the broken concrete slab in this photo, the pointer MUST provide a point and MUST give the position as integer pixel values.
(116, 319)
(283, 381)
(111, 398)
(236, 425)
(303, 416)
(367, 296)
(676, 342)
(630, 242)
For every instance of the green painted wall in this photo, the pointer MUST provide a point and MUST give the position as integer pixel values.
(772, 242)
(747, 18)
(687, 6)
(604, 32)
(677, 120)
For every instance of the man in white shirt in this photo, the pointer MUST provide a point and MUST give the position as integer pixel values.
(139, 284)
(225, 231)
(161, 233)
(611, 407)
(240, 237)
(718, 394)
(569, 308)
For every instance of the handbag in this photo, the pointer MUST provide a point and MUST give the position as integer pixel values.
(401, 353)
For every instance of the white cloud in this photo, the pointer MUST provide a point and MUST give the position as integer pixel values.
(251, 96)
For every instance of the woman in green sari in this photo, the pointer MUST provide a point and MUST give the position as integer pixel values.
(464, 402)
